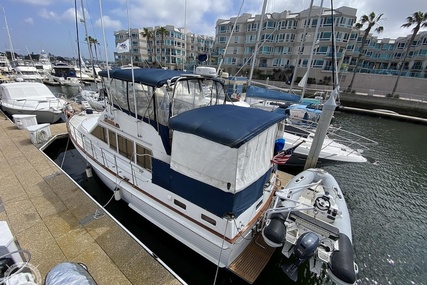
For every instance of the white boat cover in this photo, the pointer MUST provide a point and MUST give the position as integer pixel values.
(229, 169)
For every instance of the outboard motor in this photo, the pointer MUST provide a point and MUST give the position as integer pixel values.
(304, 249)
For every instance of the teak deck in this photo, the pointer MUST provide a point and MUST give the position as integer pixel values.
(250, 263)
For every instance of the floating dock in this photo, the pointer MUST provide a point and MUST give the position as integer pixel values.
(54, 219)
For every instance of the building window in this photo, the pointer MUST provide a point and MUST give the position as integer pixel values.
(269, 25)
(222, 40)
(325, 36)
(313, 23)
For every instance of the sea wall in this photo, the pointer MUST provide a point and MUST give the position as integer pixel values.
(415, 108)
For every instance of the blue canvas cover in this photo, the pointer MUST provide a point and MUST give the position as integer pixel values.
(225, 124)
(148, 76)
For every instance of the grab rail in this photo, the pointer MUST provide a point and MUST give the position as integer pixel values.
(124, 168)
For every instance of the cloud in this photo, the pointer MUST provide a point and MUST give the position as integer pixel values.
(70, 15)
(29, 21)
(37, 2)
(109, 23)
(46, 14)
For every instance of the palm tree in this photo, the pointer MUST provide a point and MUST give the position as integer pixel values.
(162, 32)
(419, 19)
(149, 34)
(94, 42)
(371, 20)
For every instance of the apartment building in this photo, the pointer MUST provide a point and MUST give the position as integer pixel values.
(282, 46)
(165, 46)
(287, 39)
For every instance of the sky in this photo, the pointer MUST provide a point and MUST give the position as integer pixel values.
(33, 25)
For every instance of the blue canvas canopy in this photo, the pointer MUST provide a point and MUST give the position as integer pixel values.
(147, 76)
(225, 124)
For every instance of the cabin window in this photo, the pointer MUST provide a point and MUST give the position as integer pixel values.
(125, 147)
(143, 157)
(258, 206)
(180, 204)
(100, 133)
(209, 220)
(112, 139)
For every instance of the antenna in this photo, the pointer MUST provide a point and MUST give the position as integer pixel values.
(12, 51)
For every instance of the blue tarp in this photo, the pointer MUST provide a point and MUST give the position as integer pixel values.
(264, 93)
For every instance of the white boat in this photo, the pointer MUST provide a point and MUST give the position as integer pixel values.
(339, 146)
(27, 73)
(188, 160)
(307, 110)
(5, 66)
(63, 72)
(31, 98)
(95, 100)
(43, 65)
(310, 221)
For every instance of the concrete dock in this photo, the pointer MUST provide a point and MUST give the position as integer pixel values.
(51, 217)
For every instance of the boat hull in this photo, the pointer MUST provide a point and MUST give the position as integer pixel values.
(42, 116)
(157, 212)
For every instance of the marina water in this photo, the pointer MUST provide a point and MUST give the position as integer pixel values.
(385, 197)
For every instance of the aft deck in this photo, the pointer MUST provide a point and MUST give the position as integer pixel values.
(252, 261)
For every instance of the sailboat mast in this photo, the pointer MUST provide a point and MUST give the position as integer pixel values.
(313, 46)
(12, 51)
(88, 41)
(334, 59)
(77, 40)
(301, 47)
(258, 38)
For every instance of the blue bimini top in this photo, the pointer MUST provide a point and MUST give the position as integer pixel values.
(154, 77)
(225, 124)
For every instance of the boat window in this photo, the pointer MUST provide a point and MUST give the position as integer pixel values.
(118, 91)
(144, 98)
(258, 205)
(143, 157)
(180, 204)
(125, 146)
(214, 92)
(188, 95)
(100, 133)
(112, 139)
(209, 220)
(163, 103)
(196, 93)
